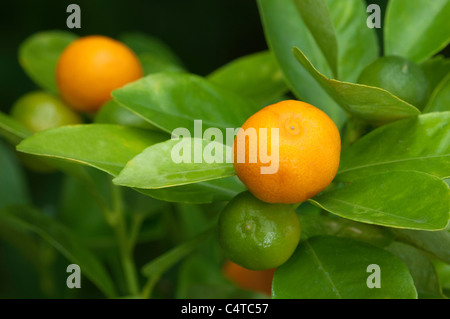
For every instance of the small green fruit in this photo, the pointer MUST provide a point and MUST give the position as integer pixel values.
(399, 76)
(258, 235)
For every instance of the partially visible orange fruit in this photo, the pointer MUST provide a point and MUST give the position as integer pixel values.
(90, 68)
(255, 280)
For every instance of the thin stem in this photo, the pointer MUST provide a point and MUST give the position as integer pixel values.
(137, 221)
(105, 210)
(120, 229)
(157, 267)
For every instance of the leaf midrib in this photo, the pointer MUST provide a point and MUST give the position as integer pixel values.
(327, 275)
(390, 162)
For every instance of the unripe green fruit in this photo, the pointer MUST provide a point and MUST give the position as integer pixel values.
(399, 76)
(258, 235)
(40, 110)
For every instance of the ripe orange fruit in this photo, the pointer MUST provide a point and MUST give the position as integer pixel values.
(90, 68)
(308, 146)
(255, 280)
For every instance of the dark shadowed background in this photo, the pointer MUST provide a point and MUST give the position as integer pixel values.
(204, 33)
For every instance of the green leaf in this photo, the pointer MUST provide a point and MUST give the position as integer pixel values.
(255, 76)
(440, 99)
(113, 113)
(223, 189)
(12, 185)
(403, 199)
(142, 43)
(421, 269)
(284, 29)
(109, 147)
(39, 54)
(63, 240)
(317, 18)
(436, 243)
(160, 166)
(106, 147)
(357, 44)
(328, 267)
(341, 227)
(372, 104)
(172, 100)
(416, 29)
(13, 131)
(420, 144)
(435, 70)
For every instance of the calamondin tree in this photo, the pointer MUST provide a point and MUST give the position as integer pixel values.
(321, 168)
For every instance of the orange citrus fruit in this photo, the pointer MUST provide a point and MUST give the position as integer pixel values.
(308, 147)
(255, 280)
(90, 68)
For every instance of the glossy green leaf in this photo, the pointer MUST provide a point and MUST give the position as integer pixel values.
(161, 165)
(172, 100)
(223, 189)
(12, 180)
(341, 227)
(64, 241)
(440, 99)
(426, 26)
(142, 43)
(435, 70)
(11, 130)
(372, 104)
(39, 54)
(326, 267)
(357, 44)
(284, 29)
(113, 113)
(104, 146)
(421, 269)
(403, 199)
(436, 243)
(109, 147)
(317, 18)
(420, 144)
(255, 76)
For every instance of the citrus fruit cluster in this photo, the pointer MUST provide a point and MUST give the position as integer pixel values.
(259, 229)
